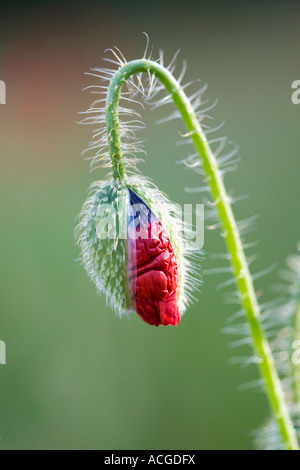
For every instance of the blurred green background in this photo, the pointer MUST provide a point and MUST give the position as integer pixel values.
(76, 376)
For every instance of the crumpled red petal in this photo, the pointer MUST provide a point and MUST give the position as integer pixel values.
(153, 274)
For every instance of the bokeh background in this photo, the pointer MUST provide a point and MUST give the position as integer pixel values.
(76, 376)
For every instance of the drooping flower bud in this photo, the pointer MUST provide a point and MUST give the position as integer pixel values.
(133, 249)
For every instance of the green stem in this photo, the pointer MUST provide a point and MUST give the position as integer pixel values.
(230, 231)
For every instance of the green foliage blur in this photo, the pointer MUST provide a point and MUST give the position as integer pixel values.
(76, 376)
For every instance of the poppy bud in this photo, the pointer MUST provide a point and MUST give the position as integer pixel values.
(133, 249)
(153, 271)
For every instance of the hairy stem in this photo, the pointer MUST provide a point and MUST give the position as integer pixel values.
(230, 231)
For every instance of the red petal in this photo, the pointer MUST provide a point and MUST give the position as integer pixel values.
(154, 277)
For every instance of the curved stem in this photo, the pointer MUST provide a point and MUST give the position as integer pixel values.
(230, 231)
